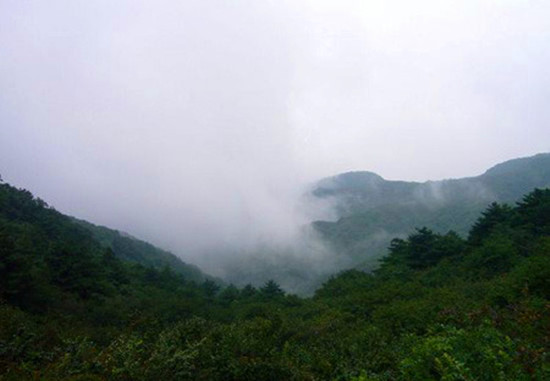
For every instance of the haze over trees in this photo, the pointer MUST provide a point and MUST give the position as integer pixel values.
(370, 211)
(439, 306)
(200, 208)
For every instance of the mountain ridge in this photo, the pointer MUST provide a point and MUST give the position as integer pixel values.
(370, 209)
(22, 207)
(131, 249)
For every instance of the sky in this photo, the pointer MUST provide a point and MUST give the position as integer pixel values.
(196, 124)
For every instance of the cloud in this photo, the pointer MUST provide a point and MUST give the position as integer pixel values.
(196, 124)
(168, 121)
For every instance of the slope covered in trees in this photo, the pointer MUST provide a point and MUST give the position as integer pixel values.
(19, 207)
(131, 249)
(439, 307)
(371, 210)
(51, 266)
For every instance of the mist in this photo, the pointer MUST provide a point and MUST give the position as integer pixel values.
(200, 125)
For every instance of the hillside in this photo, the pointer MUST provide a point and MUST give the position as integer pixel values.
(131, 249)
(50, 248)
(372, 210)
(440, 307)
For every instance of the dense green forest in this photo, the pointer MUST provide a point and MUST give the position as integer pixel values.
(439, 307)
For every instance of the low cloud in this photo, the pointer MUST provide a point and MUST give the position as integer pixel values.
(197, 125)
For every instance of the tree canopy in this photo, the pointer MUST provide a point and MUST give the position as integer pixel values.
(439, 307)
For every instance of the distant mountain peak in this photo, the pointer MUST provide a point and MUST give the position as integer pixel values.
(359, 175)
(540, 161)
(369, 210)
(349, 182)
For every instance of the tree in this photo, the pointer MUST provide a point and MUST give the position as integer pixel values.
(271, 289)
(113, 268)
(16, 275)
(210, 288)
(229, 294)
(420, 248)
(76, 271)
(497, 254)
(534, 212)
(496, 214)
(248, 291)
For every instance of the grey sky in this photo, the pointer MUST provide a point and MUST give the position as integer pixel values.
(193, 123)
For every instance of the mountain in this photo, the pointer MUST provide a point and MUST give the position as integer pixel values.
(29, 218)
(131, 249)
(371, 210)
(439, 307)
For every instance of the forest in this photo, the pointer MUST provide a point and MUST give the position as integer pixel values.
(438, 307)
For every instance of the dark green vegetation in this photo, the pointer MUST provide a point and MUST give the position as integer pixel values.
(439, 307)
(371, 211)
(131, 249)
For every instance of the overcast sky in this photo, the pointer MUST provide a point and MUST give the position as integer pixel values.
(187, 122)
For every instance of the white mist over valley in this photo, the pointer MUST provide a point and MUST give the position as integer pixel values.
(204, 126)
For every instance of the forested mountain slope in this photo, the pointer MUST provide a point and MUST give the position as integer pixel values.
(46, 254)
(128, 248)
(372, 210)
(439, 307)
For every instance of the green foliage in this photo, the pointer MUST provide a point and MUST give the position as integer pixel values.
(248, 291)
(421, 250)
(229, 294)
(210, 288)
(448, 353)
(494, 216)
(533, 212)
(438, 308)
(532, 275)
(497, 254)
(271, 290)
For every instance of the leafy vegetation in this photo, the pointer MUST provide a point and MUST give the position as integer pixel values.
(439, 307)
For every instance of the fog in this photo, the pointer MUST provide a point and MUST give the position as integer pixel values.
(199, 125)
